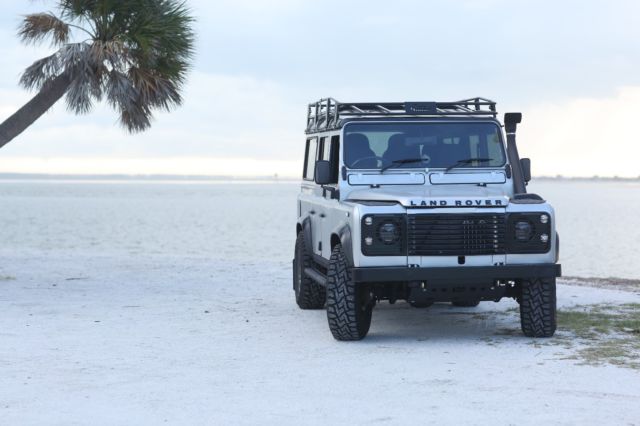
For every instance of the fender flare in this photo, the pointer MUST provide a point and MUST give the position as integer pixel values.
(344, 234)
(306, 229)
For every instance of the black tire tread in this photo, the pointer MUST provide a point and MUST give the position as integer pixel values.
(538, 307)
(309, 294)
(348, 319)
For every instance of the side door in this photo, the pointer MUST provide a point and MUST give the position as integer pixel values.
(311, 193)
(329, 214)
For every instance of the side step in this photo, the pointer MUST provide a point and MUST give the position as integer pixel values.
(316, 276)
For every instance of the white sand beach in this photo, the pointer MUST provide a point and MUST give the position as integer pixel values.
(111, 340)
(149, 304)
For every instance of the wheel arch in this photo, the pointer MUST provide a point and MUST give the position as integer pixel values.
(342, 235)
(305, 227)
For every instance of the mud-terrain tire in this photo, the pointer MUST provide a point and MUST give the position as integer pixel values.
(466, 303)
(420, 305)
(348, 308)
(309, 294)
(538, 307)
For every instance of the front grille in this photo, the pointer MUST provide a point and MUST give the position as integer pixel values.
(456, 234)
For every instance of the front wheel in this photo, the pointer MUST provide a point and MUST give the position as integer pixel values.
(538, 307)
(349, 307)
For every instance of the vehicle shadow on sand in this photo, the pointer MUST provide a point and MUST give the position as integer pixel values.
(445, 322)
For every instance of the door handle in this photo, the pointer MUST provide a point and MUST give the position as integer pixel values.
(312, 212)
(321, 214)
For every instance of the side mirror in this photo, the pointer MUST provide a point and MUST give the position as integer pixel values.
(323, 172)
(525, 165)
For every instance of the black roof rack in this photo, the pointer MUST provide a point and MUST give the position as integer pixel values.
(327, 114)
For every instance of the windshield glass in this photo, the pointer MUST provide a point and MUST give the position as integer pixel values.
(422, 145)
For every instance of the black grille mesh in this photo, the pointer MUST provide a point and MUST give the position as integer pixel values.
(456, 234)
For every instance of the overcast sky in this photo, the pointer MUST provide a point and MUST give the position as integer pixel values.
(572, 67)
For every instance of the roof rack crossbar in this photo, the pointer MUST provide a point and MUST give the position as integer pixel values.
(326, 114)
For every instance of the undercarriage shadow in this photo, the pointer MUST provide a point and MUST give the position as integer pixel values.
(443, 322)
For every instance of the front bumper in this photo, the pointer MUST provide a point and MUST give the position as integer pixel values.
(456, 273)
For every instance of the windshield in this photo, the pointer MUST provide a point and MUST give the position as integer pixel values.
(422, 145)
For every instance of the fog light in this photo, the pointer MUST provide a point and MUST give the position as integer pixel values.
(544, 218)
(544, 238)
(523, 231)
(388, 233)
(368, 241)
(368, 221)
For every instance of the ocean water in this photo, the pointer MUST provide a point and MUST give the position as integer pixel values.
(598, 222)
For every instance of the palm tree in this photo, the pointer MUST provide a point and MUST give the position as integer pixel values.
(133, 53)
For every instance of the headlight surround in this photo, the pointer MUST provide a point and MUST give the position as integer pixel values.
(383, 235)
(528, 233)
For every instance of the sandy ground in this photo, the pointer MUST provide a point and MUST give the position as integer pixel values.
(185, 340)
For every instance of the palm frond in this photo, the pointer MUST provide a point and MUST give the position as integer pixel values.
(112, 53)
(41, 72)
(38, 26)
(123, 96)
(154, 90)
(81, 95)
(119, 90)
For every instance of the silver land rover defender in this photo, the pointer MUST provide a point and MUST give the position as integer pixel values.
(424, 202)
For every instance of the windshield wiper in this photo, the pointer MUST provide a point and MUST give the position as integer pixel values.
(467, 161)
(399, 162)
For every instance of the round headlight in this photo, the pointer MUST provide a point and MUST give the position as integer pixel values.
(523, 231)
(368, 220)
(544, 238)
(544, 219)
(388, 233)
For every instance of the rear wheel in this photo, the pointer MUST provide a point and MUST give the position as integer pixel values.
(466, 303)
(538, 307)
(309, 294)
(349, 307)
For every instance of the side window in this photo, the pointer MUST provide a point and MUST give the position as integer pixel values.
(329, 150)
(334, 157)
(325, 147)
(310, 155)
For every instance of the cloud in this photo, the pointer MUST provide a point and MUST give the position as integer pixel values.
(584, 136)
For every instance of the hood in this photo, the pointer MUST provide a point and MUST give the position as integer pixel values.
(435, 196)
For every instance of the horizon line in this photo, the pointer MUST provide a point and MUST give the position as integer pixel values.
(187, 177)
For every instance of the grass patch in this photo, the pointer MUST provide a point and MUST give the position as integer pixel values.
(608, 333)
(7, 278)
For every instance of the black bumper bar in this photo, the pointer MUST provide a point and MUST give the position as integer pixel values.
(456, 273)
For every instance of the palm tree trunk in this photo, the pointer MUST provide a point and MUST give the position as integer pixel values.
(32, 110)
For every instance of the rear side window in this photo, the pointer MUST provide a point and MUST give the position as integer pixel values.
(326, 148)
(334, 158)
(310, 155)
(329, 150)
